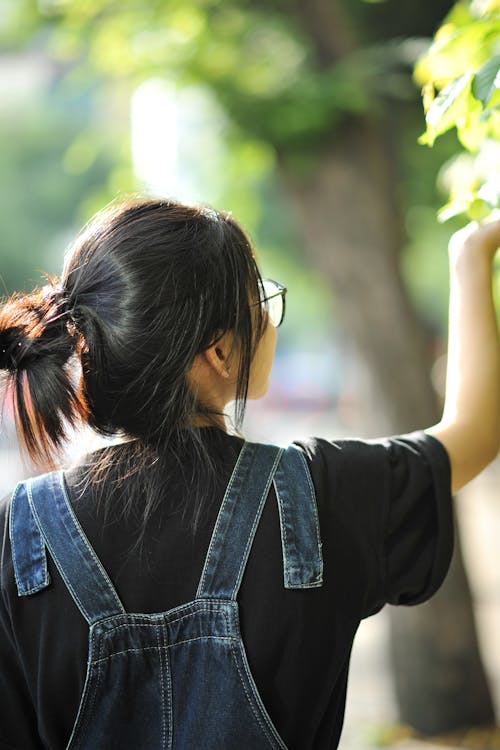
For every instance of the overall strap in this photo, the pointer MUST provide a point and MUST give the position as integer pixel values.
(300, 536)
(78, 564)
(237, 521)
(28, 549)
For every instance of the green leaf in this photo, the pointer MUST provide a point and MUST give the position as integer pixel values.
(457, 49)
(487, 80)
(453, 208)
(442, 113)
(470, 205)
(471, 129)
(460, 15)
(478, 210)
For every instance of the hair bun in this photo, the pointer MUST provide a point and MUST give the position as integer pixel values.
(35, 326)
(11, 345)
(36, 342)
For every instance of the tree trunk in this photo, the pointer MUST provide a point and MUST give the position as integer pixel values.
(351, 230)
(439, 680)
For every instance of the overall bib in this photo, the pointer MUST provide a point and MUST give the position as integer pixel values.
(175, 680)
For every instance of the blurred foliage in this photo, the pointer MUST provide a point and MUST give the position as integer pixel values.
(48, 170)
(282, 99)
(257, 57)
(460, 75)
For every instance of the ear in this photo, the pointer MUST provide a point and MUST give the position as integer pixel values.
(218, 356)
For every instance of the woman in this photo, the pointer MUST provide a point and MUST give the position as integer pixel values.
(182, 587)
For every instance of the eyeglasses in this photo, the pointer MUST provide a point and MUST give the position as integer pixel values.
(273, 299)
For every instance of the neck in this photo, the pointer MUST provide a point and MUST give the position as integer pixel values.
(213, 420)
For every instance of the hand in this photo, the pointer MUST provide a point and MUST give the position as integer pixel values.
(475, 238)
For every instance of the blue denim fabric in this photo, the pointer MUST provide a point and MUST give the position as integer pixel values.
(178, 679)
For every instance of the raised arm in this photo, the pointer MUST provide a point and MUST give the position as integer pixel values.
(470, 426)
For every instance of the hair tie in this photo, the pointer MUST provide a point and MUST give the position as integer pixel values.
(57, 295)
(53, 293)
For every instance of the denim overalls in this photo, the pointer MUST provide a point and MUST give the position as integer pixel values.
(176, 679)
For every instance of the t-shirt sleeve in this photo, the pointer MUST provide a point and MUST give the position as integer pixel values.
(418, 542)
(385, 509)
(17, 713)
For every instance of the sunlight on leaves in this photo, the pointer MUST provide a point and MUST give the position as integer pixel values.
(487, 80)
(462, 66)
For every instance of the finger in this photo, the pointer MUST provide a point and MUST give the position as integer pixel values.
(458, 238)
(485, 235)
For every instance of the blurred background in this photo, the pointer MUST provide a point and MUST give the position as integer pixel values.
(302, 118)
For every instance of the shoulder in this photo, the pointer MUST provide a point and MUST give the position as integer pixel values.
(364, 483)
(418, 442)
(354, 457)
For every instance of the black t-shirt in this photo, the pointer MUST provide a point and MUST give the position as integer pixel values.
(386, 527)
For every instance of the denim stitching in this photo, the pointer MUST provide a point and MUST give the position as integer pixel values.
(77, 725)
(104, 575)
(258, 699)
(287, 570)
(202, 638)
(19, 580)
(160, 654)
(231, 638)
(319, 577)
(170, 700)
(88, 696)
(35, 590)
(84, 713)
(252, 707)
(284, 541)
(154, 624)
(313, 585)
(228, 625)
(313, 495)
(256, 520)
(221, 513)
(80, 715)
(250, 702)
(287, 578)
(60, 567)
(11, 534)
(194, 604)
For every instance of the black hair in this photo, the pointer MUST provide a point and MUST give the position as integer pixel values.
(147, 285)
